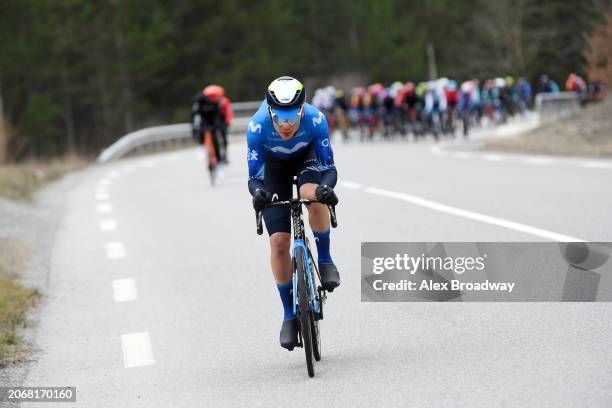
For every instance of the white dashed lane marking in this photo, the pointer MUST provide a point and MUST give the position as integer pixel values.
(108, 225)
(104, 207)
(115, 250)
(171, 158)
(124, 290)
(137, 350)
(492, 157)
(136, 347)
(102, 194)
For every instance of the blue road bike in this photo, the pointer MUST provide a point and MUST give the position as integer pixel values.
(308, 294)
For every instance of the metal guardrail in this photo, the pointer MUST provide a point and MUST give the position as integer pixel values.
(241, 107)
(164, 136)
(554, 106)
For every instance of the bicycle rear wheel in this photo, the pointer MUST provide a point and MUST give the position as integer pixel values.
(316, 339)
(305, 318)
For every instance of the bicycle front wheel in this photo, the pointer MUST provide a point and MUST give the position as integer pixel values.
(315, 334)
(305, 318)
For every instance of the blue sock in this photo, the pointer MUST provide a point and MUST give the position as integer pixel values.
(285, 289)
(322, 240)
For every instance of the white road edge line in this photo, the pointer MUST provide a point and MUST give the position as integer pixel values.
(115, 250)
(538, 160)
(473, 215)
(461, 155)
(137, 350)
(530, 159)
(351, 185)
(437, 150)
(596, 165)
(124, 290)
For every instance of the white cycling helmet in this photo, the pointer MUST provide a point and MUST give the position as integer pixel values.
(285, 97)
(285, 93)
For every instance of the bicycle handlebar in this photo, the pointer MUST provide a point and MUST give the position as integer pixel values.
(331, 208)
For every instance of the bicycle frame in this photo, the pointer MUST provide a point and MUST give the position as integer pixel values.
(300, 241)
(208, 143)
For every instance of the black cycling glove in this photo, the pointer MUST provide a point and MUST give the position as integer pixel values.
(326, 195)
(261, 199)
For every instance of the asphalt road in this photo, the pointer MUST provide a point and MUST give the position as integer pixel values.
(160, 292)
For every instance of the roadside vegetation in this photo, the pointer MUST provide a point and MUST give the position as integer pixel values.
(587, 133)
(21, 181)
(69, 86)
(15, 301)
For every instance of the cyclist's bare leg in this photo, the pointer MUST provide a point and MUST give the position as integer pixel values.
(279, 256)
(318, 215)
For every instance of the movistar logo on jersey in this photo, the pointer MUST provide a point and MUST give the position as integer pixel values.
(281, 149)
(254, 128)
(317, 121)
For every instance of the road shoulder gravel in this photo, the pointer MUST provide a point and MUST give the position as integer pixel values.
(32, 227)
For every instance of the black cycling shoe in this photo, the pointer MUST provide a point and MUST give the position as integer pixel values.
(330, 277)
(289, 334)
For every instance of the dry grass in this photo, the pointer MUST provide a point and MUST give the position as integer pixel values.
(588, 133)
(21, 181)
(15, 301)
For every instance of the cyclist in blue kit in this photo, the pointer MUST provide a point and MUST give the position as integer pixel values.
(288, 137)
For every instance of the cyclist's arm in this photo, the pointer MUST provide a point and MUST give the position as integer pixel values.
(329, 174)
(226, 108)
(255, 157)
(195, 107)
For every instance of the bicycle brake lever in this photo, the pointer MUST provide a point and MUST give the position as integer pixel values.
(258, 221)
(332, 213)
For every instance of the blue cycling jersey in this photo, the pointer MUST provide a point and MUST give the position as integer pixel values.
(263, 139)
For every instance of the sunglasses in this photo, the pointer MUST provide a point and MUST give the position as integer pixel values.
(292, 119)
